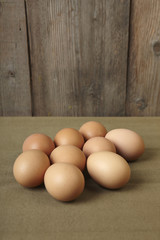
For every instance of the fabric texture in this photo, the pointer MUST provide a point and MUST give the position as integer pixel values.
(132, 212)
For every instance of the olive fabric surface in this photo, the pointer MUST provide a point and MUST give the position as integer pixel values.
(132, 212)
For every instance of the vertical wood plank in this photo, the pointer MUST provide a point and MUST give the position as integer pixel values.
(143, 88)
(78, 56)
(15, 96)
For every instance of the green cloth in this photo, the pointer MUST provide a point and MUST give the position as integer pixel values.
(132, 212)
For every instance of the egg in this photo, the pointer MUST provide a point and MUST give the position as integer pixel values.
(128, 143)
(64, 181)
(108, 169)
(29, 168)
(92, 129)
(69, 136)
(69, 154)
(39, 141)
(97, 144)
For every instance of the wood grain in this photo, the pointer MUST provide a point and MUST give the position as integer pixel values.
(143, 88)
(78, 55)
(15, 97)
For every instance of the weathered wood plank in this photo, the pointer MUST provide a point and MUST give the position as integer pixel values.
(143, 88)
(78, 56)
(15, 96)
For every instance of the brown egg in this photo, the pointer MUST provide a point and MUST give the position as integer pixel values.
(29, 168)
(69, 136)
(39, 141)
(128, 143)
(64, 181)
(92, 129)
(98, 144)
(69, 154)
(108, 169)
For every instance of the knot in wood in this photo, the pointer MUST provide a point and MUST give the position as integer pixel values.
(156, 48)
(141, 104)
(11, 74)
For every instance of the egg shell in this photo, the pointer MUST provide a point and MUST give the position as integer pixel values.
(128, 143)
(29, 168)
(38, 141)
(64, 181)
(108, 169)
(97, 144)
(92, 129)
(69, 136)
(69, 154)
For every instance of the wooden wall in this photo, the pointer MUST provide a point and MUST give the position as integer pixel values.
(80, 57)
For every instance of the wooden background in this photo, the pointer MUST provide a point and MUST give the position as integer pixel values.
(80, 57)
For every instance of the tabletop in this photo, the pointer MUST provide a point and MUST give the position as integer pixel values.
(132, 212)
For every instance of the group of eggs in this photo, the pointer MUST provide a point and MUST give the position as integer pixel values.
(60, 163)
